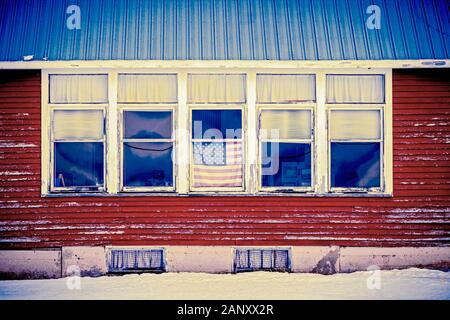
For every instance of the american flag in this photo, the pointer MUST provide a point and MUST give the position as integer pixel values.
(217, 164)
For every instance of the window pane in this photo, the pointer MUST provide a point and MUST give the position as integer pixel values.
(150, 88)
(77, 124)
(285, 88)
(355, 124)
(286, 164)
(291, 124)
(216, 88)
(217, 164)
(78, 164)
(355, 164)
(355, 88)
(148, 164)
(148, 124)
(85, 88)
(216, 124)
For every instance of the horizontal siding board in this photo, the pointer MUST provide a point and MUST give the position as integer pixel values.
(417, 215)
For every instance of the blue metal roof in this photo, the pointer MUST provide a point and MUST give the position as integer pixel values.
(224, 30)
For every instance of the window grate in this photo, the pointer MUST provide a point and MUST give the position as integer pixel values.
(129, 260)
(261, 260)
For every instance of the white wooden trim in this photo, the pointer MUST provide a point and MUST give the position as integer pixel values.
(112, 135)
(47, 141)
(264, 65)
(388, 135)
(250, 113)
(386, 145)
(320, 137)
(45, 134)
(182, 135)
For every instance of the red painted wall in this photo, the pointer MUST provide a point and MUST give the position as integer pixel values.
(417, 215)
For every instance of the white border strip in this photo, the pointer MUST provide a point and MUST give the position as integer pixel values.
(265, 64)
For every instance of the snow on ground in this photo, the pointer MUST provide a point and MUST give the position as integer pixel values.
(394, 284)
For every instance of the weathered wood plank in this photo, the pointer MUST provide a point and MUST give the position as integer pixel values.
(417, 214)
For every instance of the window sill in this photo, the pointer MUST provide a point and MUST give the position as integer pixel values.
(223, 194)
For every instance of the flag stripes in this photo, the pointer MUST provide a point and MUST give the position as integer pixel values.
(217, 164)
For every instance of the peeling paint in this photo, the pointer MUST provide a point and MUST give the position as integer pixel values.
(16, 173)
(21, 239)
(17, 145)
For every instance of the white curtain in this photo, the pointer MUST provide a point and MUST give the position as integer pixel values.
(149, 88)
(355, 124)
(78, 124)
(290, 124)
(216, 88)
(78, 88)
(285, 88)
(355, 88)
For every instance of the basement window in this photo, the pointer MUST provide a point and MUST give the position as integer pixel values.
(261, 260)
(136, 260)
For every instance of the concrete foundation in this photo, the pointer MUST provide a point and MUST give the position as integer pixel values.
(214, 259)
(30, 264)
(84, 261)
(320, 259)
(358, 258)
(91, 261)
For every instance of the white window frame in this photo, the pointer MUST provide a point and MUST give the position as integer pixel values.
(286, 107)
(367, 107)
(385, 109)
(146, 108)
(190, 106)
(48, 116)
(182, 128)
(224, 107)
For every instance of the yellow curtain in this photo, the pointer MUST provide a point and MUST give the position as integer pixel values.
(78, 124)
(216, 88)
(288, 124)
(355, 88)
(355, 124)
(285, 88)
(147, 88)
(78, 88)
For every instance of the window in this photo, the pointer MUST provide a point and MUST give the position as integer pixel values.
(261, 260)
(147, 139)
(197, 131)
(286, 104)
(147, 149)
(217, 146)
(78, 132)
(356, 132)
(135, 260)
(287, 150)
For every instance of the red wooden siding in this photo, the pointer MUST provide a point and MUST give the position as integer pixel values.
(417, 215)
